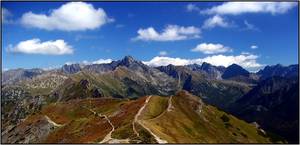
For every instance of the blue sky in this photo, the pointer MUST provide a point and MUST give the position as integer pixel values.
(50, 34)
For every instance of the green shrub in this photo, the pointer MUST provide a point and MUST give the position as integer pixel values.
(225, 118)
(227, 124)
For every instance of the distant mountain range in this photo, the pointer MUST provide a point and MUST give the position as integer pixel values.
(273, 103)
(279, 70)
(270, 95)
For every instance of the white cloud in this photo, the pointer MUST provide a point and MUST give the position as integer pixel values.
(192, 7)
(163, 53)
(236, 8)
(70, 62)
(211, 48)
(5, 69)
(163, 61)
(250, 26)
(35, 46)
(214, 22)
(72, 16)
(51, 67)
(6, 15)
(170, 33)
(254, 47)
(85, 62)
(248, 61)
(245, 53)
(101, 61)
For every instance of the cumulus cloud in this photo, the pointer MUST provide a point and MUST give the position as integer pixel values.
(214, 22)
(35, 46)
(72, 16)
(192, 7)
(169, 33)
(85, 62)
(6, 15)
(164, 61)
(99, 61)
(211, 48)
(236, 8)
(248, 61)
(245, 60)
(254, 47)
(163, 53)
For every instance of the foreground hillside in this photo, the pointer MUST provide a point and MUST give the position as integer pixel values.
(182, 118)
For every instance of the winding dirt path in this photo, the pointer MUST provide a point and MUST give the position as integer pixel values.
(138, 114)
(108, 138)
(52, 122)
(157, 138)
(170, 106)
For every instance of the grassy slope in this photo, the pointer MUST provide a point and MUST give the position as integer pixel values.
(156, 106)
(123, 123)
(105, 82)
(184, 125)
(84, 127)
(81, 125)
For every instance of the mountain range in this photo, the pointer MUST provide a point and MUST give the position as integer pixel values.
(126, 101)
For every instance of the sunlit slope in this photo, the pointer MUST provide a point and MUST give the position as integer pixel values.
(93, 120)
(96, 121)
(186, 119)
(181, 118)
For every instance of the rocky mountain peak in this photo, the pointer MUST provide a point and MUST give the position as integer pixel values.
(131, 63)
(71, 68)
(278, 70)
(234, 70)
(127, 60)
(84, 83)
(205, 65)
(234, 65)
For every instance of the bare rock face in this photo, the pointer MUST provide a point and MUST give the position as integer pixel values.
(32, 130)
(96, 93)
(211, 72)
(274, 104)
(84, 83)
(17, 103)
(17, 75)
(71, 69)
(279, 70)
